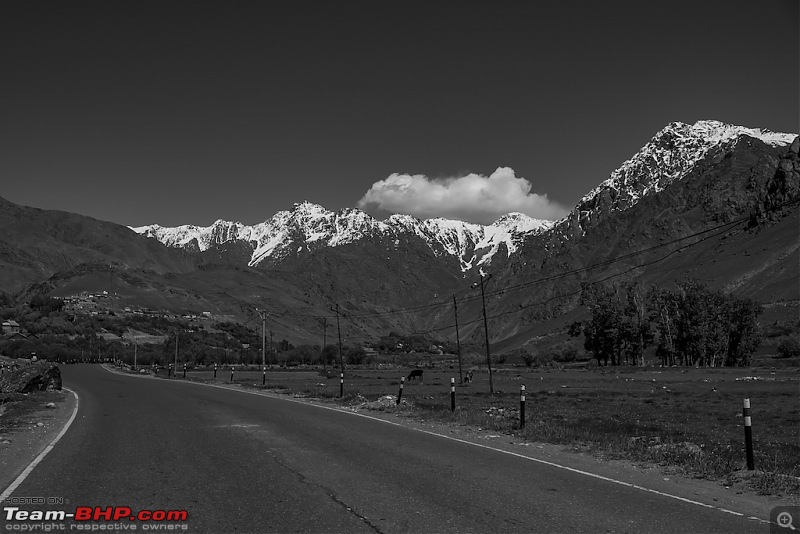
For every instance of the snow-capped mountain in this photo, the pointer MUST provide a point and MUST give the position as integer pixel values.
(307, 227)
(668, 157)
(688, 179)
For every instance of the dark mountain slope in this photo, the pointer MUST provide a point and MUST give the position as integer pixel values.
(36, 243)
(756, 256)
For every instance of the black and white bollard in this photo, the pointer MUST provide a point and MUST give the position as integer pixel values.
(263, 376)
(452, 394)
(184, 370)
(748, 435)
(169, 371)
(215, 370)
(400, 394)
(231, 374)
(522, 406)
(341, 385)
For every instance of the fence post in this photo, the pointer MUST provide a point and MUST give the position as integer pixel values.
(400, 394)
(748, 435)
(452, 394)
(522, 406)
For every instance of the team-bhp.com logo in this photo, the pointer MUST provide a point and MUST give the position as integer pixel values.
(86, 517)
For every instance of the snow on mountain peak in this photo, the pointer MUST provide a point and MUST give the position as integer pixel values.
(520, 223)
(668, 156)
(308, 226)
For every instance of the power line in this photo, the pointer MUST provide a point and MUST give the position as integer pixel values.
(600, 281)
(444, 303)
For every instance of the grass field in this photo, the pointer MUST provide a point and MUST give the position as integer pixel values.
(690, 419)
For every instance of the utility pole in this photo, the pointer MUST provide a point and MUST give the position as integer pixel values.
(324, 342)
(486, 329)
(176, 354)
(339, 330)
(263, 316)
(458, 343)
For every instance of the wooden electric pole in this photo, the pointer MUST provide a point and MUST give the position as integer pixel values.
(486, 328)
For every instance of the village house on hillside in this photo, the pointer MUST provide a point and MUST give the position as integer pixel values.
(11, 327)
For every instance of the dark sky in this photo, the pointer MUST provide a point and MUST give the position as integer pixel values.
(185, 112)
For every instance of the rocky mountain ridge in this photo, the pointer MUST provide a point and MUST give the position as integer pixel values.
(307, 227)
(403, 273)
(668, 157)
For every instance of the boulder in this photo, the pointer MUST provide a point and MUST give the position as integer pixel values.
(33, 377)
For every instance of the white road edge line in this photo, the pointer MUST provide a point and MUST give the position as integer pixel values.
(22, 476)
(545, 462)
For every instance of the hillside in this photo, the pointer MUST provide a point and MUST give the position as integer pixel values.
(36, 244)
(711, 201)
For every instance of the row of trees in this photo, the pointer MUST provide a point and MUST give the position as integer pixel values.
(690, 325)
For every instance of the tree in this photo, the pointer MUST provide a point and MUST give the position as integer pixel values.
(355, 355)
(744, 337)
(636, 331)
(789, 347)
(700, 326)
(602, 332)
(330, 354)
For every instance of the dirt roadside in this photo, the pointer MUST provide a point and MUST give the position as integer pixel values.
(28, 426)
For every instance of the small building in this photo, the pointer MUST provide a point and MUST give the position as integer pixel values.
(11, 327)
(22, 336)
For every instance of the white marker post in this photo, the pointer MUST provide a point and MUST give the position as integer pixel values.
(400, 394)
(748, 435)
(522, 406)
(341, 385)
(452, 394)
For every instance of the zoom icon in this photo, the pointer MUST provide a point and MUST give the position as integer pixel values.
(784, 519)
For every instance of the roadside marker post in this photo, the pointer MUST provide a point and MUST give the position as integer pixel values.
(452, 394)
(231, 374)
(748, 435)
(264, 376)
(400, 394)
(184, 370)
(522, 406)
(341, 385)
(169, 371)
(215, 370)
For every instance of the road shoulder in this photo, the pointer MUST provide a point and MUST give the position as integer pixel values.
(28, 426)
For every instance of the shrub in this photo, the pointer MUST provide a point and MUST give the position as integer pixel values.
(789, 347)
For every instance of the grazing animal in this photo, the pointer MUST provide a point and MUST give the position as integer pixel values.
(468, 378)
(413, 375)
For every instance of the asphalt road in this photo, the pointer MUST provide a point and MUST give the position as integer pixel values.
(239, 462)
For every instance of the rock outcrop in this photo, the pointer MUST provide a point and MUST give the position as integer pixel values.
(30, 377)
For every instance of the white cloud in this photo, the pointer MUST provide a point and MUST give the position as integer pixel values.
(472, 198)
